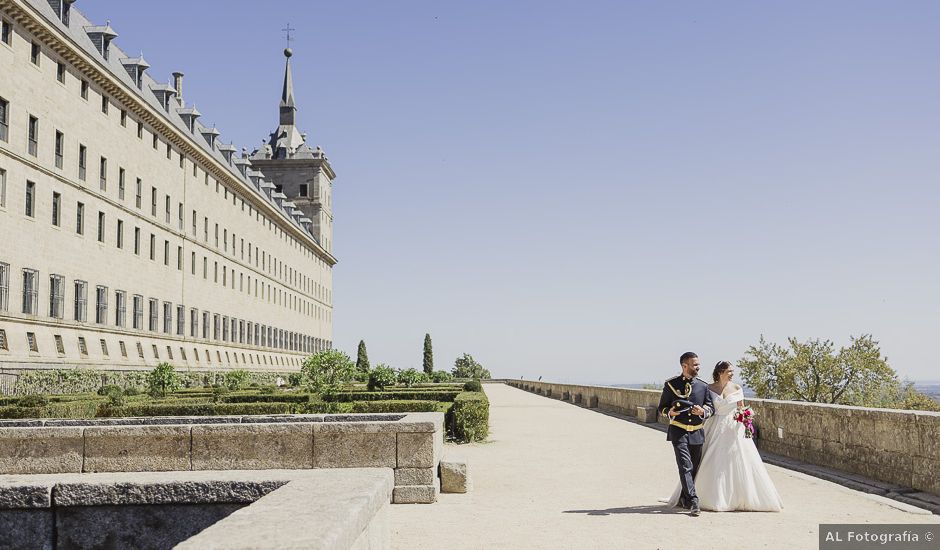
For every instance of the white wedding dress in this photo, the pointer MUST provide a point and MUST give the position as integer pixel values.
(732, 475)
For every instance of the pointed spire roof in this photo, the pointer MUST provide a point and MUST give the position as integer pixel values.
(287, 94)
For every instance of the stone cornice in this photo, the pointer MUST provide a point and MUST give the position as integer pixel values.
(63, 45)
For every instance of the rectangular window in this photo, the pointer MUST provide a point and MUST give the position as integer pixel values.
(138, 311)
(303, 189)
(4, 286)
(225, 329)
(180, 216)
(167, 208)
(82, 156)
(82, 347)
(100, 227)
(56, 208)
(123, 348)
(153, 246)
(120, 233)
(225, 239)
(156, 353)
(123, 118)
(205, 324)
(167, 317)
(140, 350)
(103, 174)
(194, 323)
(104, 104)
(85, 90)
(32, 146)
(6, 32)
(120, 305)
(169, 151)
(4, 119)
(205, 267)
(31, 342)
(30, 291)
(34, 52)
(153, 202)
(59, 149)
(215, 326)
(192, 263)
(154, 314)
(120, 183)
(156, 141)
(179, 258)
(140, 130)
(169, 352)
(30, 198)
(56, 296)
(80, 219)
(138, 190)
(104, 348)
(166, 252)
(205, 229)
(181, 320)
(80, 311)
(3, 188)
(101, 304)
(59, 344)
(137, 241)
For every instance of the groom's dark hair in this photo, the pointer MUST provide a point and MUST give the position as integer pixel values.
(686, 357)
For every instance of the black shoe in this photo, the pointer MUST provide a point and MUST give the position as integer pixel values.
(694, 510)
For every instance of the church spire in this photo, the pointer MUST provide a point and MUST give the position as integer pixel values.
(287, 107)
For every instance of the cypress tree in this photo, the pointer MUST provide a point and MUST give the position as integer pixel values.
(362, 358)
(428, 355)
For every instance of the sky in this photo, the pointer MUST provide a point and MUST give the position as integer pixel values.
(584, 191)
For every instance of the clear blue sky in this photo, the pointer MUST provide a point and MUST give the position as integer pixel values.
(584, 191)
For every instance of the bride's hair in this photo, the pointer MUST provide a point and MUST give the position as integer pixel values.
(720, 367)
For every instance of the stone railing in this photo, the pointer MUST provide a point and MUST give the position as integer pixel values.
(893, 446)
(411, 444)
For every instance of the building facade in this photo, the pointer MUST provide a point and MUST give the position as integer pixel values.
(130, 234)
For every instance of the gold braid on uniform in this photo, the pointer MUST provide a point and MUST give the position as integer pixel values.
(688, 390)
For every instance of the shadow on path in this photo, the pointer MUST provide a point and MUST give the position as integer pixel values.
(645, 509)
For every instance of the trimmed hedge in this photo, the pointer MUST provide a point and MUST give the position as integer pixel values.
(293, 397)
(470, 416)
(394, 406)
(402, 395)
(72, 409)
(196, 409)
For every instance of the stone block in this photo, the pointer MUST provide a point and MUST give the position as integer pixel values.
(455, 477)
(414, 476)
(646, 415)
(354, 450)
(253, 447)
(137, 448)
(592, 402)
(415, 494)
(925, 476)
(27, 529)
(416, 450)
(41, 450)
(26, 495)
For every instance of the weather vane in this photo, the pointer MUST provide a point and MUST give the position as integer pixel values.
(288, 30)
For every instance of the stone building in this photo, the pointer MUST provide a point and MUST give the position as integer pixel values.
(131, 233)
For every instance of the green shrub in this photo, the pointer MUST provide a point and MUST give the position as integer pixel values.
(473, 385)
(267, 389)
(195, 409)
(131, 391)
(325, 407)
(327, 370)
(218, 394)
(294, 397)
(71, 409)
(410, 377)
(35, 400)
(470, 416)
(380, 377)
(393, 406)
(441, 376)
(162, 380)
(294, 379)
(235, 379)
(106, 389)
(398, 395)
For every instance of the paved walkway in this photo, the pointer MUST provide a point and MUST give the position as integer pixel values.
(555, 475)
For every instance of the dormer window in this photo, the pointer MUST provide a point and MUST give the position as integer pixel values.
(62, 9)
(101, 37)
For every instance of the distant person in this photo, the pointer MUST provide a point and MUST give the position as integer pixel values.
(687, 402)
(732, 475)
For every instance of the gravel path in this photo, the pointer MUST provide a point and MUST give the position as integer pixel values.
(555, 475)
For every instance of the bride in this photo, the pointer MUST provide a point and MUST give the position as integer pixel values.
(731, 475)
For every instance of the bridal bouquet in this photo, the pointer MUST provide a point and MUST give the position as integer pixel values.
(745, 416)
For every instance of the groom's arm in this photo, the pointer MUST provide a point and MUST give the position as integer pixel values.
(709, 405)
(665, 401)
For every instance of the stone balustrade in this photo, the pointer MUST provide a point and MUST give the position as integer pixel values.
(892, 446)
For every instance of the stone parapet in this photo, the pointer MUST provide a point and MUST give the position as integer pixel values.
(893, 446)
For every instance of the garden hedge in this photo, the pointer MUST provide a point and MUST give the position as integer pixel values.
(470, 416)
(394, 406)
(397, 395)
(294, 397)
(71, 409)
(196, 409)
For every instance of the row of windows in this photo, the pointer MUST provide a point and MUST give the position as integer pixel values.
(35, 55)
(273, 266)
(220, 357)
(230, 278)
(202, 324)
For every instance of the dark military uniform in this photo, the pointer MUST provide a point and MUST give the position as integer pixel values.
(685, 430)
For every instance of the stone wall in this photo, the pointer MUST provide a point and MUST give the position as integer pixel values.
(893, 446)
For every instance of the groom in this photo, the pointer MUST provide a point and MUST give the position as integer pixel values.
(687, 403)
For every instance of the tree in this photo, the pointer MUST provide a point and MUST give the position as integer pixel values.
(410, 377)
(428, 355)
(326, 370)
(162, 380)
(814, 371)
(235, 379)
(362, 358)
(381, 376)
(466, 367)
